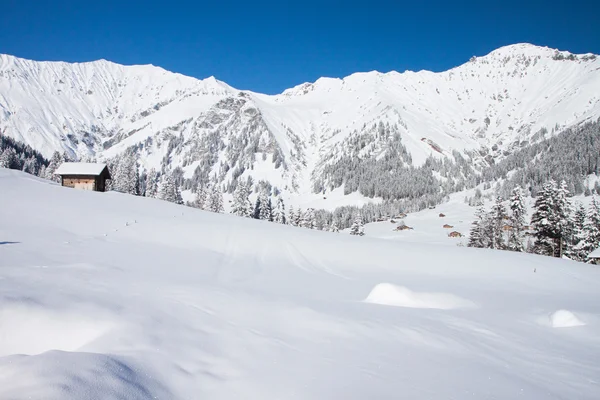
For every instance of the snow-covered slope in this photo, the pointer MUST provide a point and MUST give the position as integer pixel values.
(105, 295)
(498, 102)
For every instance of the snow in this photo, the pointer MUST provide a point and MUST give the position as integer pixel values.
(80, 168)
(398, 296)
(595, 253)
(564, 319)
(106, 295)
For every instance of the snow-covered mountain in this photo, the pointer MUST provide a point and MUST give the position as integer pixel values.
(300, 139)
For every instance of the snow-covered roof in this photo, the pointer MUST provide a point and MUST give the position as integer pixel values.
(595, 253)
(80, 168)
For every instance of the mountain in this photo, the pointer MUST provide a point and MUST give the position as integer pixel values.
(311, 139)
(111, 296)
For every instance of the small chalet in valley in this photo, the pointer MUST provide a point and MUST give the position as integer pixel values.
(85, 176)
(594, 256)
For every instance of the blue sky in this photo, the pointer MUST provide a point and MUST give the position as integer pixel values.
(268, 46)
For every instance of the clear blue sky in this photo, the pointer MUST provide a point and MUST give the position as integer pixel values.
(268, 46)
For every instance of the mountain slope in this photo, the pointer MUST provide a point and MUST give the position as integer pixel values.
(484, 109)
(104, 295)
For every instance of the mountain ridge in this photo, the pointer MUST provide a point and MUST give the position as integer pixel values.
(483, 109)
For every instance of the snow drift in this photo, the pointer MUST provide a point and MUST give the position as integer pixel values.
(393, 295)
(189, 304)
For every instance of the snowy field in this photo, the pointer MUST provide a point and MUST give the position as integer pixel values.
(110, 296)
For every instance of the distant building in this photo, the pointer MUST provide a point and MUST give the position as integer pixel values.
(85, 176)
(594, 256)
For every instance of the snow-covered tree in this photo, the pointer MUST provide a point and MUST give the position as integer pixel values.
(292, 216)
(279, 213)
(550, 220)
(308, 219)
(578, 234)
(498, 219)
(169, 191)
(8, 158)
(264, 207)
(543, 221)
(152, 181)
(241, 205)
(55, 162)
(125, 174)
(214, 200)
(477, 233)
(334, 227)
(358, 227)
(298, 217)
(590, 239)
(517, 220)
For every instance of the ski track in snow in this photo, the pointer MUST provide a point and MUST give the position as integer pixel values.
(181, 303)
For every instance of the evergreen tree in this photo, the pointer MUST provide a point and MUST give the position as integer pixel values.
(169, 191)
(550, 219)
(562, 212)
(578, 234)
(298, 217)
(543, 221)
(241, 205)
(591, 232)
(357, 227)
(126, 174)
(55, 162)
(517, 220)
(334, 227)
(498, 219)
(214, 200)
(265, 210)
(308, 219)
(476, 235)
(152, 181)
(279, 215)
(292, 216)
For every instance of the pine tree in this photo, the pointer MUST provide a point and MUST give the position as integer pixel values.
(298, 217)
(334, 227)
(241, 205)
(591, 232)
(152, 181)
(265, 210)
(498, 218)
(308, 219)
(543, 221)
(214, 200)
(126, 174)
(292, 216)
(550, 220)
(562, 212)
(357, 227)
(578, 234)
(476, 235)
(169, 191)
(55, 162)
(279, 214)
(517, 220)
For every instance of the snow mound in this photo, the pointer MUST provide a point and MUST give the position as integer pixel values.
(53, 376)
(564, 319)
(25, 330)
(399, 296)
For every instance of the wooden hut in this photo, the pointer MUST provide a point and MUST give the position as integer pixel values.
(85, 176)
(594, 256)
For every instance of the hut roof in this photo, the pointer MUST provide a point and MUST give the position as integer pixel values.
(595, 253)
(80, 168)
